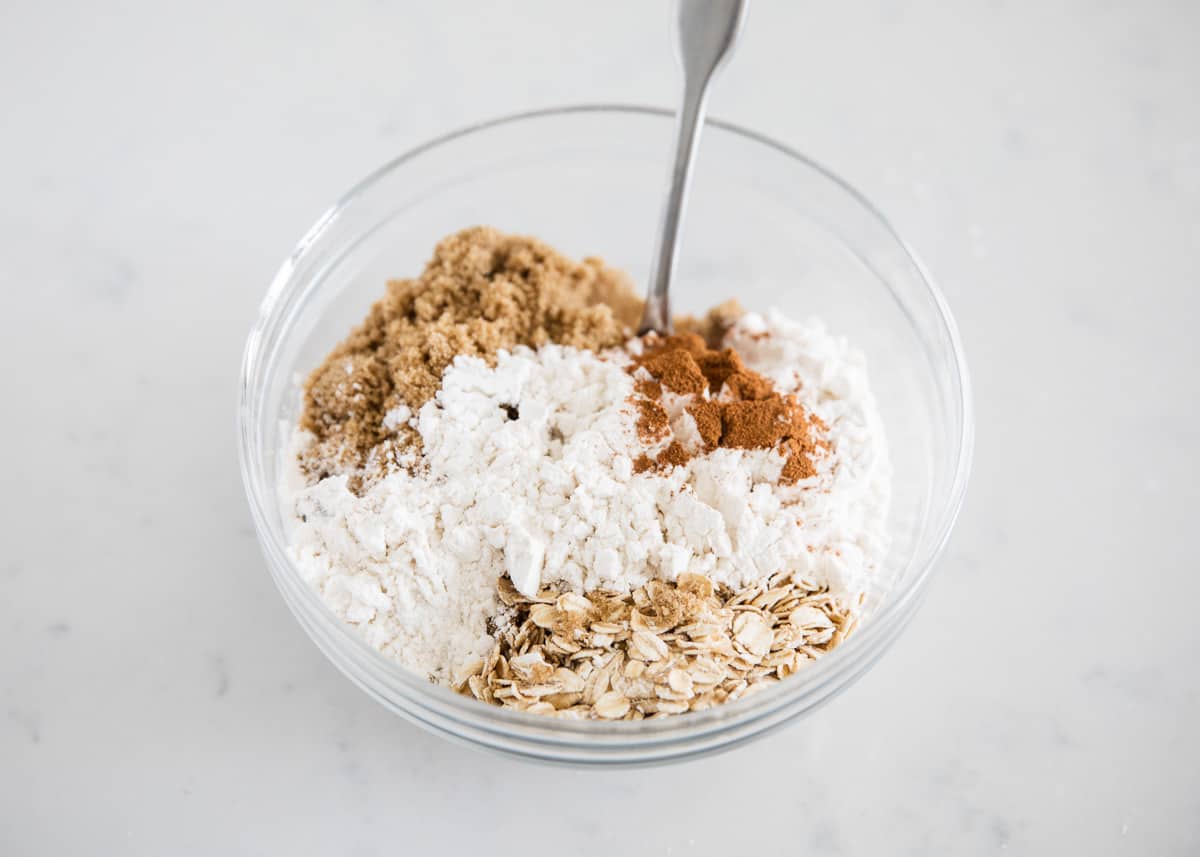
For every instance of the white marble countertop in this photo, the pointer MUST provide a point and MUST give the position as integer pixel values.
(159, 161)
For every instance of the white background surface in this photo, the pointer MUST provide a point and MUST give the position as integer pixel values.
(159, 161)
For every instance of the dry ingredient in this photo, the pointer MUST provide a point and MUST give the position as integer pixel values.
(504, 490)
(731, 406)
(665, 648)
(482, 292)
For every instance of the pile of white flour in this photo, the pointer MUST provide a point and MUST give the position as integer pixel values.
(528, 469)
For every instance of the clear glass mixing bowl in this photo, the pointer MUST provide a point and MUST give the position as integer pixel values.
(764, 225)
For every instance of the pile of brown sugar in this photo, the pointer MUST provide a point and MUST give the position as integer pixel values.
(734, 407)
(482, 292)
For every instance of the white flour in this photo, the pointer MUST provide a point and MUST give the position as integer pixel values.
(551, 497)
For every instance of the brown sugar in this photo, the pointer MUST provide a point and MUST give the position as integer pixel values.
(482, 291)
(715, 324)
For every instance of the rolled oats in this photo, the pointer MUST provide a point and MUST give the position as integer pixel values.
(664, 649)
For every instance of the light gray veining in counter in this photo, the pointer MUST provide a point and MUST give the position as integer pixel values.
(159, 161)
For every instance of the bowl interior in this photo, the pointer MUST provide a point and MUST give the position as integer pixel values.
(762, 225)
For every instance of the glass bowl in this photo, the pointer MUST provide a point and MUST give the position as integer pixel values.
(764, 225)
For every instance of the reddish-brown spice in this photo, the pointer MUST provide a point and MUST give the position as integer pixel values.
(749, 386)
(678, 372)
(649, 389)
(719, 366)
(673, 456)
(643, 463)
(753, 425)
(708, 421)
(743, 409)
(652, 421)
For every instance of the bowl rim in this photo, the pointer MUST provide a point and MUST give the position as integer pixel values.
(440, 703)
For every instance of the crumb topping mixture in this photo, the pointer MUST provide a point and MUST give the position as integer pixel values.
(503, 489)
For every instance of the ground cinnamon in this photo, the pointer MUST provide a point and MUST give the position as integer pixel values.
(708, 422)
(649, 389)
(734, 407)
(677, 370)
(653, 423)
